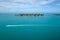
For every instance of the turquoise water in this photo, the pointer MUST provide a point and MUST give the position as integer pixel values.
(50, 29)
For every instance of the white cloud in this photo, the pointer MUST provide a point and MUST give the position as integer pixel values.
(7, 4)
(34, 1)
(28, 2)
(44, 2)
(25, 1)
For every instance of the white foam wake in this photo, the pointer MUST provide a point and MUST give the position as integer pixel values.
(29, 25)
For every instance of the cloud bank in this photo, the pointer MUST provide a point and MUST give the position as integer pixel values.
(24, 3)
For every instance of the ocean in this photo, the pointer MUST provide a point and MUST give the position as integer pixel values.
(31, 27)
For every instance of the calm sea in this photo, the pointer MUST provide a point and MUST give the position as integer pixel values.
(31, 28)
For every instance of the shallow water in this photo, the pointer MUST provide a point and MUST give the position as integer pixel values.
(47, 27)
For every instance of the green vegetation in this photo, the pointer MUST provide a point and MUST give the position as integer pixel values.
(29, 14)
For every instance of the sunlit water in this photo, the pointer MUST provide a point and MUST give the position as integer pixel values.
(31, 28)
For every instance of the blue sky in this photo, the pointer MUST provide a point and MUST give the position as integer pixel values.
(29, 6)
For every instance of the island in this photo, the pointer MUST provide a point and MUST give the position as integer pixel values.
(56, 14)
(29, 14)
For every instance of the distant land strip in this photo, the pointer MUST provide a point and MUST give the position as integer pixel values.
(35, 14)
(29, 14)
